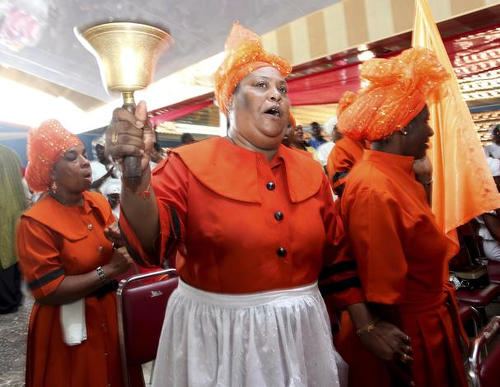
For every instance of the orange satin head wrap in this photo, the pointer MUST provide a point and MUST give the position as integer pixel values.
(46, 145)
(244, 54)
(398, 90)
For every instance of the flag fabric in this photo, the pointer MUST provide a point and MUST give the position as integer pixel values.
(463, 186)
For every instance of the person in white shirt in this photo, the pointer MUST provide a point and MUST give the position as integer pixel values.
(489, 222)
(102, 167)
(112, 189)
(493, 149)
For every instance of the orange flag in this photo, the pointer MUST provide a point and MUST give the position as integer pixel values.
(463, 187)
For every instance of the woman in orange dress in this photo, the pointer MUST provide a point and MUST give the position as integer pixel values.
(69, 266)
(254, 225)
(402, 255)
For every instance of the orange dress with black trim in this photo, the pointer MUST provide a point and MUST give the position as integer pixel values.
(402, 259)
(341, 159)
(241, 224)
(55, 241)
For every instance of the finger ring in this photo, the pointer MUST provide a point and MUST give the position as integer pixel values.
(404, 357)
(114, 137)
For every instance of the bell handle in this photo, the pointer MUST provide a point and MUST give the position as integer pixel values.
(131, 164)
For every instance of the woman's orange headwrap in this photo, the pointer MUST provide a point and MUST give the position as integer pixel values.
(398, 90)
(244, 54)
(46, 145)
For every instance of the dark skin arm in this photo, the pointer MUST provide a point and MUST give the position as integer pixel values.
(136, 138)
(97, 184)
(386, 341)
(75, 287)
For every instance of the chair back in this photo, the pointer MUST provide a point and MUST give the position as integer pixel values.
(485, 372)
(141, 305)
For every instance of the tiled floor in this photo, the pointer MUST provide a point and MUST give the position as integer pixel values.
(13, 329)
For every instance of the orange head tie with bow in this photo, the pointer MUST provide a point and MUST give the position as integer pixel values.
(398, 90)
(46, 145)
(244, 54)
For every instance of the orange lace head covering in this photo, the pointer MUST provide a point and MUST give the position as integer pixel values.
(46, 145)
(398, 90)
(244, 54)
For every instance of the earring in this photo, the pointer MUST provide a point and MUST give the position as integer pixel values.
(404, 132)
(53, 187)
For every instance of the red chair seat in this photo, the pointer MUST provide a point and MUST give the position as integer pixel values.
(141, 305)
(466, 313)
(494, 272)
(480, 297)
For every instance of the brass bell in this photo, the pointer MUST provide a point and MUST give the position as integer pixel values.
(126, 54)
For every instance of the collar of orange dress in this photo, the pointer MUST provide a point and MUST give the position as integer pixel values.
(398, 90)
(64, 223)
(46, 144)
(235, 172)
(244, 54)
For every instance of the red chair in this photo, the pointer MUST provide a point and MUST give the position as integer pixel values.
(141, 304)
(485, 370)
(479, 298)
(469, 314)
(494, 272)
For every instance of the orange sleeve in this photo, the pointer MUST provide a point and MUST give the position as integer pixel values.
(338, 281)
(39, 257)
(169, 182)
(376, 232)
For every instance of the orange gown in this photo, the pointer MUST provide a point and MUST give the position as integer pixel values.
(242, 224)
(342, 158)
(54, 241)
(402, 260)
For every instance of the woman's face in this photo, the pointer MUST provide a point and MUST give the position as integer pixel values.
(260, 108)
(299, 133)
(72, 171)
(416, 142)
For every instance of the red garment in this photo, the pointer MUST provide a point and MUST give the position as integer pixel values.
(342, 158)
(55, 241)
(402, 259)
(244, 224)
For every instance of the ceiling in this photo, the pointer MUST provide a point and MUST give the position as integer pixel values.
(38, 46)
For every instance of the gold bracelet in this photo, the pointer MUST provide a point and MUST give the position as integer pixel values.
(367, 328)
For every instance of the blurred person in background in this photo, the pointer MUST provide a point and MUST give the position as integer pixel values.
(112, 189)
(346, 153)
(13, 202)
(324, 150)
(157, 155)
(187, 138)
(493, 149)
(102, 166)
(489, 223)
(317, 136)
